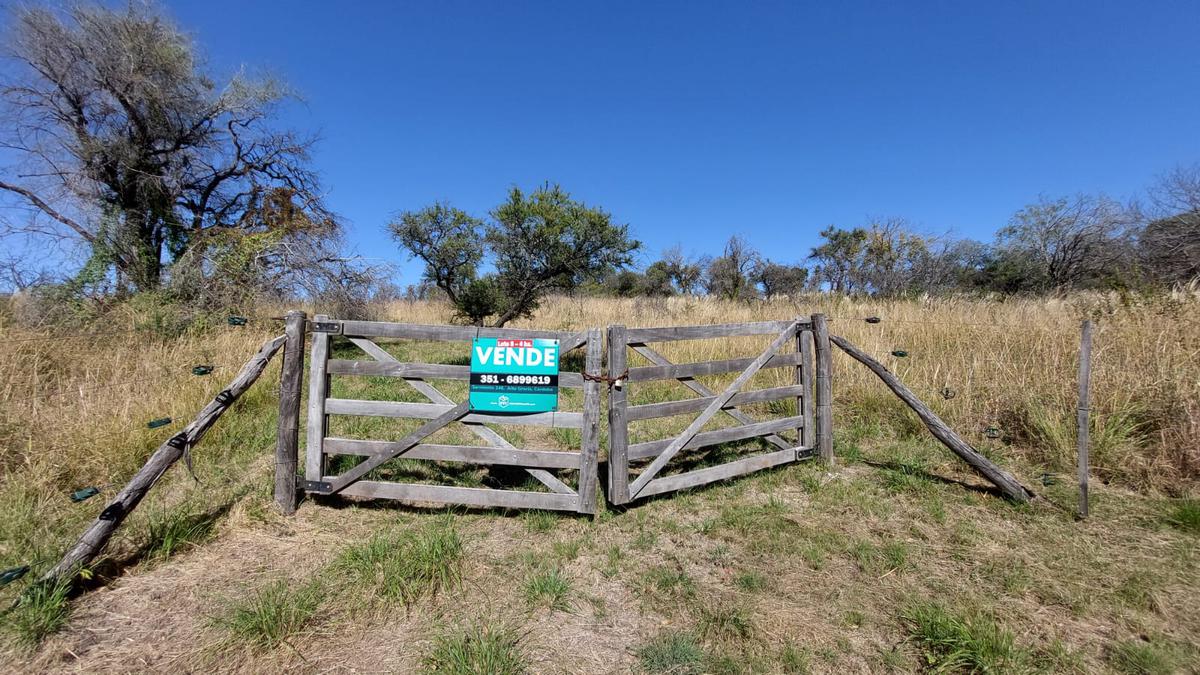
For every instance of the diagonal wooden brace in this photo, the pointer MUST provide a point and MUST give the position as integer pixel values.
(717, 403)
(402, 446)
(698, 387)
(433, 394)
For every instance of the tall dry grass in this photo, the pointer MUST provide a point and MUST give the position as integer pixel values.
(73, 411)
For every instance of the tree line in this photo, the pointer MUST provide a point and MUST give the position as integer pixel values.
(184, 186)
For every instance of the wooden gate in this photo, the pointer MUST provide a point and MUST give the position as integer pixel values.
(325, 471)
(789, 437)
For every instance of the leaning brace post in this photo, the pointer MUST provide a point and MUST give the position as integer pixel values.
(98, 534)
(940, 430)
(287, 444)
(1085, 384)
(824, 396)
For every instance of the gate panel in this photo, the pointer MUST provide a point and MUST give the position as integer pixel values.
(442, 412)
(708, 403)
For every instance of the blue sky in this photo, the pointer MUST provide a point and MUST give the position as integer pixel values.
(692, 121)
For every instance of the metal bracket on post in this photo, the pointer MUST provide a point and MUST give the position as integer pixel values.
(318, 486)
(334, 327)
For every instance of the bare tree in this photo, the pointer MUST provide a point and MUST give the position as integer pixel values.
(1065, 243)
(1169, 243)
(729, 276)
(120, 139)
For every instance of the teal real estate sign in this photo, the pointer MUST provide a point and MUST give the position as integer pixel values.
(514, 375)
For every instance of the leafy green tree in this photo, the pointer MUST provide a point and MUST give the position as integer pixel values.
(839, 259)
(538, 243)
(776, 279)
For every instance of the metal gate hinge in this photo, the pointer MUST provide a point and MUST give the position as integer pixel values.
(318, 486)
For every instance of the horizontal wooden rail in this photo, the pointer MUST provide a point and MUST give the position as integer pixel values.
(668, 408)
(434, 371)
(441, 494)
(720, 472)
(428, 411)
(722, 330)
(568, 340)
(471, 454)
(654, 448)
(675, 371)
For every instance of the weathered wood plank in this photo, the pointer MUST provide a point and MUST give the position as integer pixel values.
(713, 407)
(673, 333)
(698, 387)
(428, 411)
(711, 474)
(318, 389)
(824, 393)
(590, 431)
(442, 494)
(412, 438)
(1082, 413)
(618, 426)
(982, 465)
(706, 438)
(287, 434)
(808, 431)
(415, 331)
(436, 371)
(101, 530)
(433, 394)
(680, 370)
(668, 408)
(469, 454)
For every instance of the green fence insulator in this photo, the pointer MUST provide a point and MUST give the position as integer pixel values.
(10, 575)
(84, 493)
(237, 321)
(991, 432)
(201, 370)
(160, 422)
(872, 319)
(899, 353)
(948, 393)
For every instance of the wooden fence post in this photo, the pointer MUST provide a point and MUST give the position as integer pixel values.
(824, 395)
(590, 446)
(287, 445)
(1085, 383)
(618, 427)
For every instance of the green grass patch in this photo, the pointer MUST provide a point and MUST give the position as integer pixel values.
(952, 642)
(548, 588)
(1184, 515)
(750, 581)
(476, 649)
(271, 615)
(673, 652)
(171, 532)
(671, 580)
(539, 521)
(724, 622)
(1146, 657)
(407, 565)
(43, 609)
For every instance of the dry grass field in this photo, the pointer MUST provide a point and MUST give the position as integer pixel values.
(894, 560)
